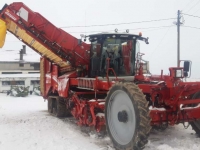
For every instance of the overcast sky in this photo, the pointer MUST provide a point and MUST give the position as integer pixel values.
(162, 50)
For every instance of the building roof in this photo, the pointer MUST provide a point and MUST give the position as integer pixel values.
(13, 56)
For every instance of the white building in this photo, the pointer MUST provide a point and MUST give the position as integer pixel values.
(6, 80)
(19, 68)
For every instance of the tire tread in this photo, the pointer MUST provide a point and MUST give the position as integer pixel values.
(143, 129)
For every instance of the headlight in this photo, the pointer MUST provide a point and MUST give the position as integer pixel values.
(179, 74)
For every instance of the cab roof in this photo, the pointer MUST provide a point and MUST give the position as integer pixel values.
(103, 35)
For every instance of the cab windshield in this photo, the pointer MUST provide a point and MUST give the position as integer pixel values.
(121, 54)
(115, 51)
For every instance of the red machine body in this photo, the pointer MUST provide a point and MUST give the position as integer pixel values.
(66, 66)
(48, 35)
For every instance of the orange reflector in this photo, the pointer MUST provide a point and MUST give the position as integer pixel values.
(2, 32)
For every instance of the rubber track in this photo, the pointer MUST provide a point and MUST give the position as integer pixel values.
(143, 126)
(49, 105)
(61, 108)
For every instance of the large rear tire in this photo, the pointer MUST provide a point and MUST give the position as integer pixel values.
(196, 124)
(127, 116)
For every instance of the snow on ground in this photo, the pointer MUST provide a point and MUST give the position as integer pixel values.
(26, 124)
(174, 138)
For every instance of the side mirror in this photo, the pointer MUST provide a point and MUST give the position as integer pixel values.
(186, 68)
(79, 41)
(147, 40)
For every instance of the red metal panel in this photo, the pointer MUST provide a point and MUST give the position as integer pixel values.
(48, 83)
(49, 32)
(63, 83)
(54, 78)
(165, 116)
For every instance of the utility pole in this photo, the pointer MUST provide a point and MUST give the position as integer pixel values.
(178, 38)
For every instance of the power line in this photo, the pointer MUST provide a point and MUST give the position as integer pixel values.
(190, 15)
(152, 27)
(193, 6)
(196, 11)
(187, 4)
(118, 23)
(155, 29)
(158, 27)
(160, 41)
(112, 30)
(91, 31)
(191, 27)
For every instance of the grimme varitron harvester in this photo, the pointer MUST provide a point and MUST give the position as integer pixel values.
(102, 84)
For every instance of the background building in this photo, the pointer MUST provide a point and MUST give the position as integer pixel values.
(19, 67)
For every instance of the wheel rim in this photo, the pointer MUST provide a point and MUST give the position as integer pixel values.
(121, 117)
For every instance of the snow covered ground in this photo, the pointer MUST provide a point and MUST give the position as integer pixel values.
(26, 125)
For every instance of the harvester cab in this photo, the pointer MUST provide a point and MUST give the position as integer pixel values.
(114, 54)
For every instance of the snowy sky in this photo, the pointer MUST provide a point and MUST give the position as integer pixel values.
(162, 50)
